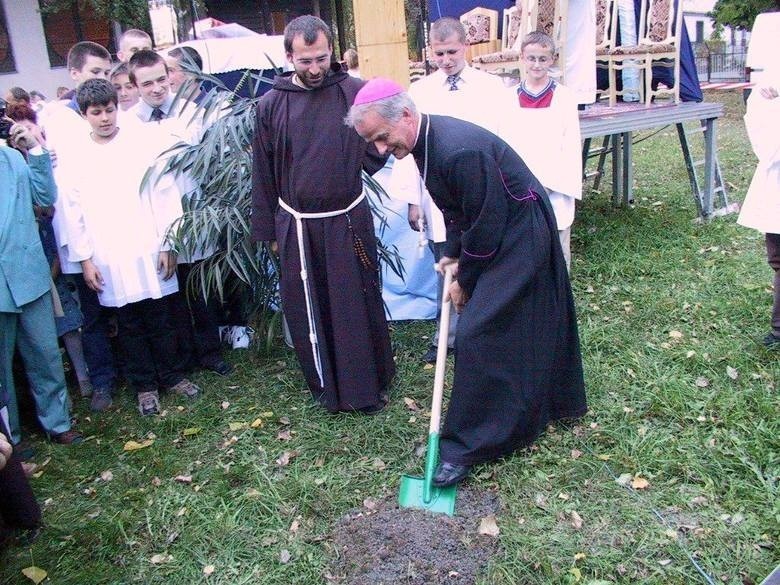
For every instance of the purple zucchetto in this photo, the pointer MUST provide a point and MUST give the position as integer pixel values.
(377, 89)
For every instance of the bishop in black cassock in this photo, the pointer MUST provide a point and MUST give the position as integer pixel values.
(517, 354)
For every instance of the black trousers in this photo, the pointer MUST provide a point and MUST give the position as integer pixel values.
(148, 341)
(196, 320)
(18, 507)
(773, 257)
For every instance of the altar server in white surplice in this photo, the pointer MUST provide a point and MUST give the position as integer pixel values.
(544, 130)
(458, 90)
(119, 233)
(761, 209)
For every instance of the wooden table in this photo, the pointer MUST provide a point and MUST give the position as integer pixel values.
(619, 123)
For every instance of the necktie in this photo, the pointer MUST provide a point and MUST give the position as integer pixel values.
(157, 115)
(453, 81)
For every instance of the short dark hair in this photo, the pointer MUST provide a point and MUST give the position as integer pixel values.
(79, 52)
(119, 69)
(19, 94)
(447, 26)
(187, 55)
(95, 92)
(19, 112)
(144, 58)
(36, 93)
(307, 26)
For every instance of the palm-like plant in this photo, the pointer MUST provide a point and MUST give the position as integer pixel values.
(216, 214)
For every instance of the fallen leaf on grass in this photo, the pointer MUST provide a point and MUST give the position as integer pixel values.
(257, 423)
(732, 373)
(253, 493)
(379, 465)
(428, 367)
(603, 457)
(579, 556)
(107, 475)
(577, 574)
(624, 479)
(135, 445)
(563, 496)
(284, 435)
(576, 453)
(159, 559)
(540, 501)
(225, 405)
(237, 426)
(284, 458)
(411, 404)
(675, 334)
(576, 520)
(208, 570)
(370, 503)
(640, 483)
(295, 526)
(156, 481)
(183, 478)
(34, 574)
(488, 526)
(190, 431)
(665, 562)
(284, 556)
(283, 420)
(702, 382)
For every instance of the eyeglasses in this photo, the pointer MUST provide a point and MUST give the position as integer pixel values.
(534, 59)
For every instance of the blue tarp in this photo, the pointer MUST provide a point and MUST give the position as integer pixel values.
(414, 296)
(454, 8)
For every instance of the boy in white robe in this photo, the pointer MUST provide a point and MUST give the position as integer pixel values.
(118, 232)
(761, 209)
(544, 130)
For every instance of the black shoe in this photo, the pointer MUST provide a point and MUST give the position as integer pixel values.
(771, 341)
(429, 357)
(449, 474)
(220, 367)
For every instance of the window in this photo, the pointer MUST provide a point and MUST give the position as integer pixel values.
(7, 64)
(699, 31)
(68, 26)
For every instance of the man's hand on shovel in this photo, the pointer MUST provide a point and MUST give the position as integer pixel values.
(455, 293)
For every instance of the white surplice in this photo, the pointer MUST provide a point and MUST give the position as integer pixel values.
(481, 98)
(65, 131)
(761, 209)
(119, 226)
(548, 141)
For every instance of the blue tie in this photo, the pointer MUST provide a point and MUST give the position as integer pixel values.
(453, 81)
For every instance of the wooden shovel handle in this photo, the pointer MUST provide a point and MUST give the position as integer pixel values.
(441, 354)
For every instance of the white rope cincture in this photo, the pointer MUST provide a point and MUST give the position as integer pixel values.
(299, 217)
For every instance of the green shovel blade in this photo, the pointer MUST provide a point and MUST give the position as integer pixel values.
(442, 500)
(419, 492)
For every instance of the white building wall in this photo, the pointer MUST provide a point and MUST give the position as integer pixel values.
(25, 30)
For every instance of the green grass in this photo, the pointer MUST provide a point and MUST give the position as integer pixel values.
(663, 302)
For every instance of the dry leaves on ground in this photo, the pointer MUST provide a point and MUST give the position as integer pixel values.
(488, 526)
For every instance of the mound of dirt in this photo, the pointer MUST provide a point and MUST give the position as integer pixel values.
(383, 543)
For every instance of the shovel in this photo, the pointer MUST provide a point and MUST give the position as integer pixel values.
(419, 492)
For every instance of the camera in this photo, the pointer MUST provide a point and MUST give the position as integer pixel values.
(5, 123)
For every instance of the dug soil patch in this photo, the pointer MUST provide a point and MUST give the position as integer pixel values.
(382, 543)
